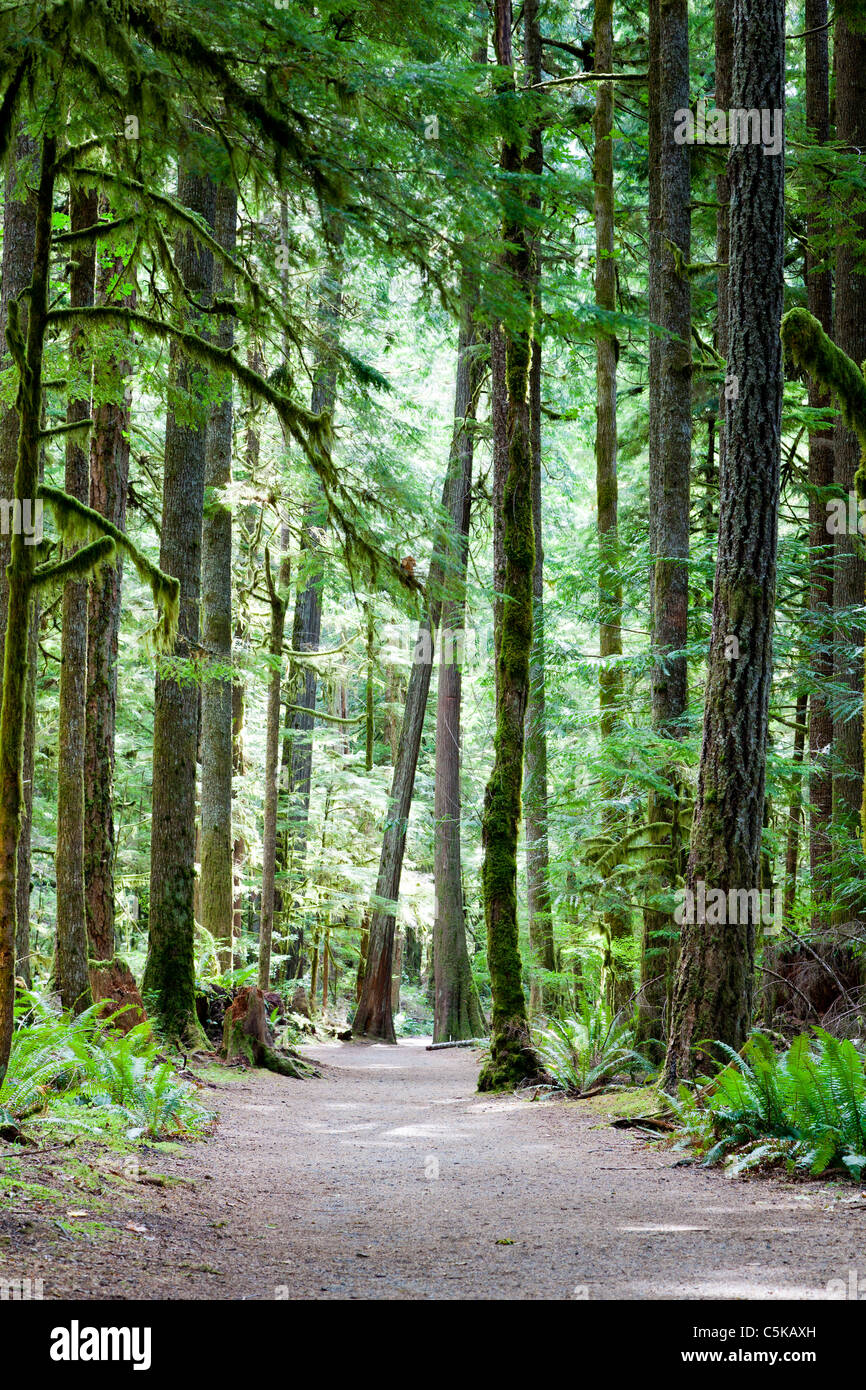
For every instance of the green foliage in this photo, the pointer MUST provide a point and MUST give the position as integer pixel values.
(804, 1107)
(63, 1067)
(591, 1048)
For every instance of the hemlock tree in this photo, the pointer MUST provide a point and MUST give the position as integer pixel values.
(715, 976)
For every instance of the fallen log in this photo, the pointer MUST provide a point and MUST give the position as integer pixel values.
(464, 1042)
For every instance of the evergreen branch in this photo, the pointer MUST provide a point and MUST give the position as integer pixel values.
(77, 566)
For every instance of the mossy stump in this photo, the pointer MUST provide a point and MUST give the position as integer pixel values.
(248, 1039)
(112, 985)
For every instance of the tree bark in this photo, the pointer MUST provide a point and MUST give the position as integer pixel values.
(511, 1056)
(169, 974)
(19, 232)
(216, 593)
(28, 354)
(272, 751)
(109, 480)
(457, 1009)
(715, 979)
(670, 466)
(71, 969)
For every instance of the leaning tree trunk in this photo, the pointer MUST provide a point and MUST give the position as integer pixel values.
(850, 569)
(110, 978)
(511, 1056)
(616, 921)
(715, 979)
(71, 971)
(457, 1009)
(19, 231)
(169, 984)
(28, 355)
(216, 888)
(670, 465)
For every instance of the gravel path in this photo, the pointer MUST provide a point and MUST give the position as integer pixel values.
(391, 1177)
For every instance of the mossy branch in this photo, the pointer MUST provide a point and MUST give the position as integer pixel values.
(76, 427)
(814, 352)
(79, 565)
(76, 521)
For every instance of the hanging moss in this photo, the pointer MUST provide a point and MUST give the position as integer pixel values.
(77, 523)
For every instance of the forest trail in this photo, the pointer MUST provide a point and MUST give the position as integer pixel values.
(391, 1177)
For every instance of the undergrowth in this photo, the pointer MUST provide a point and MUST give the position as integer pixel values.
(584, 1051)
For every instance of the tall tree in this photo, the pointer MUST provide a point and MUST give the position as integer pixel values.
(715, 976)
(511, 1057)
(216, 594)
(168, 986)
(670, 466)
(616, 920)
(19, 231)
(457, 1009)
(538, 900)
(71, 971)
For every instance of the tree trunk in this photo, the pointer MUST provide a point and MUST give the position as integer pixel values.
(511, 1056)
(819, 295)
(216, 594)
(535, 756)
(795, 812)
(670, 465)
(272, 751)
(109, 479)
(457, 1010)
(28, 357)
(616, 921)
(850, 571)
(19, 231)
(169, 975)
(715, 978)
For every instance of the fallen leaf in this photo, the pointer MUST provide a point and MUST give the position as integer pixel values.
(76, 1213)
(131, 1226)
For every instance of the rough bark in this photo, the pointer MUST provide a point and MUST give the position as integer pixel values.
(616, 922)
(19, 230)
(70, 969)
(511, 1056)
(169, 984)
(109, 480)
(457, 1009)
(713, 993)
(272, 752)
(670, 464)
(795, 812)
(29, 355)
(538, 901)
(247, 1037)
(216, 592)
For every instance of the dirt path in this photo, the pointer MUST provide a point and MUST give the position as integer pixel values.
(390, 1177)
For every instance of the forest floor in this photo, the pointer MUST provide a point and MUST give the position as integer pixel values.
(391, 1177)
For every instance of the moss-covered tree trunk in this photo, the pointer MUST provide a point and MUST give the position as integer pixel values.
(850, 567)
(109, 482)
(819, 297)
(71, 972)
(216, 592)
(616, 921)
(457, 1009)
(511, 1056)
(714, 986)
(28, 356)
(538, 901)
(272, 753)
(670, 464)
(19, 231)
(169, 986)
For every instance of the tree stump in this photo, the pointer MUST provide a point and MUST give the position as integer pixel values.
(247, 1037)
(112, 984)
